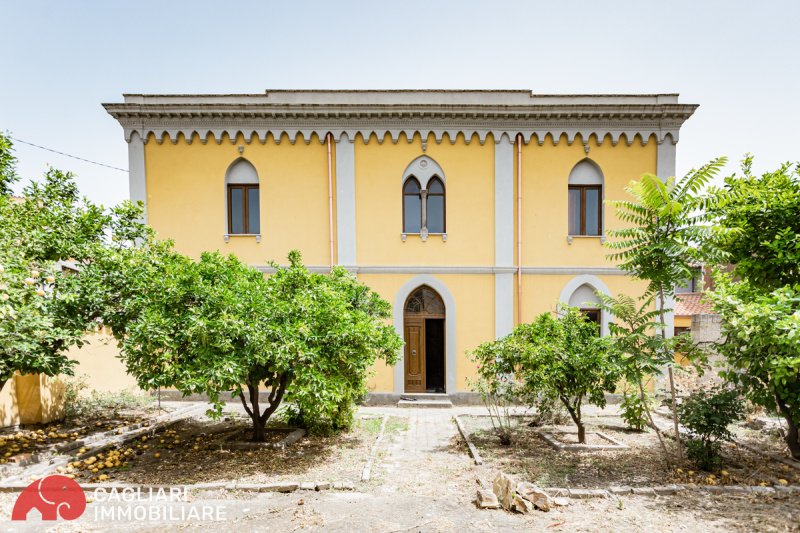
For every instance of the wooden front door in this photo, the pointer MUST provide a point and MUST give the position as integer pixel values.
(415, 355)
(424, 303)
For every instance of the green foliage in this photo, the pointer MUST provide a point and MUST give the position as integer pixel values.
(8, 174)
(707, 414)
(97, 404)
(758, 227)
(761, 343)
(664, 224)
(555, 360)
(635, 408)
(218, 326)
(497, 383)
(47, 224)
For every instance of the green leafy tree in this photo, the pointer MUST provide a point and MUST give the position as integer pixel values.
(48, 223)
(562, 359)
(707, 414)
(757, 225)
(761, 343)
(758, 230)
(665, 223)
(218, 326)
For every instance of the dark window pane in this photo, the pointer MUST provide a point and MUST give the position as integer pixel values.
(436, 214)
(574, 211)
(435, 187)
(412, 213)
(411, 186)
(237, 210)
(253, 213)
(592, 210)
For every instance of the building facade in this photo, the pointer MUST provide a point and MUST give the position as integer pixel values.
(470, 211)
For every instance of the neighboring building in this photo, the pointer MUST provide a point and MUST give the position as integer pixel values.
(469, 211)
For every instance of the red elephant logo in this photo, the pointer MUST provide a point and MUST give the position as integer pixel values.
(52, 496)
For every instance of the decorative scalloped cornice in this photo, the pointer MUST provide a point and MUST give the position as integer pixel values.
(303, 114)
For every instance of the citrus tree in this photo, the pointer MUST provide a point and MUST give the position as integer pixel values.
(217, 326)
(48, 223)
(758, 229)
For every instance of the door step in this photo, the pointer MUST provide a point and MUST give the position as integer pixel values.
(435, 401)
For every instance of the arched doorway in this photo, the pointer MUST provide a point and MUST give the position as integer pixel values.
(424, 332)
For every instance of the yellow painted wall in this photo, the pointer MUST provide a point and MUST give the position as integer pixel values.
(469, 185)
(474, 300)
(186, 198)
(545, 177)
(31, 399)
(99, 365)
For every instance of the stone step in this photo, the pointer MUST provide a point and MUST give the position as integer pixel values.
(439, 403)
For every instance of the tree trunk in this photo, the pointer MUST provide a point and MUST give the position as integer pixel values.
(259, 434)
(663, 320)
(279, 383)
(575, 414)
(793, 435)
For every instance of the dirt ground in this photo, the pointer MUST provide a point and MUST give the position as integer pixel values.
(424, 480)
(643, 464)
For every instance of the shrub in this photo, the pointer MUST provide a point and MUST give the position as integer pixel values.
(707, 415)
(635, 408)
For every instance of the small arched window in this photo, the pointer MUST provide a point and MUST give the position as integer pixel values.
(586, 199)
(412, 206)
(243, 199)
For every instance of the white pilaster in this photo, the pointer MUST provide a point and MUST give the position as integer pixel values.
(346, 201)
(503, 234)
(137, 182)
(665, 168)
(665, 162)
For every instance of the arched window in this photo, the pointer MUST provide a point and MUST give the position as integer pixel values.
(424, 197)
(243, 199)
(586, 199)
(585, 298)
(412, 206)
(435, 206)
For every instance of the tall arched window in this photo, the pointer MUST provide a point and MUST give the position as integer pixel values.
(586, 199)
(435, 208)
(424, 198)
(412, 206)
(243, 199)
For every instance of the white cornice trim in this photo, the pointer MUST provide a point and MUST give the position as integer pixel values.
(301, 115)
(416, 269)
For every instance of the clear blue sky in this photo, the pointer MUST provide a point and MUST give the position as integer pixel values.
(60, 60)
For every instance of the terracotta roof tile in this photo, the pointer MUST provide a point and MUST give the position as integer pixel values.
(692, 303)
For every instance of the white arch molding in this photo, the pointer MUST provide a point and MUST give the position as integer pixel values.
(597, 284)
(424, 169)
(449, 328)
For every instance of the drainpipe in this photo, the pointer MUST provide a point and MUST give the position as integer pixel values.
(519, 228)
(330, 195)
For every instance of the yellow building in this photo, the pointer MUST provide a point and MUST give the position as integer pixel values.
(469, 211)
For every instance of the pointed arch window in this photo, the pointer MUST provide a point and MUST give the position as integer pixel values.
(424, 199)
(435, 207)
(423, 209)
(412, 206)
(243, 199)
